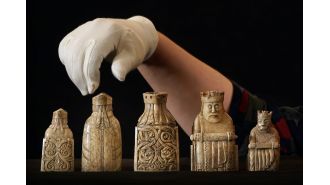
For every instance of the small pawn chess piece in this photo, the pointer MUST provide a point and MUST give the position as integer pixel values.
(213, 136)
(156, 136)
(101, 145)
(58, 145)
(264, 147)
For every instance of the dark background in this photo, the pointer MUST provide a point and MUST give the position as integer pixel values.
(257, 43)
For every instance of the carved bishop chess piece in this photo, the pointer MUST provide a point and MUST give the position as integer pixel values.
(156, 136)
(213, 136)
(58, 145)
(101, 145)
(264, 146)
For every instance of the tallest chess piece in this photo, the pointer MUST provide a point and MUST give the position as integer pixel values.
(156, 136)
(101, 147)
(213, 136)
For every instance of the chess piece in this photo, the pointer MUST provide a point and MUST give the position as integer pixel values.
(58, 145)
(213, 136)
(102, 146)
(156, 136)
(264, 147)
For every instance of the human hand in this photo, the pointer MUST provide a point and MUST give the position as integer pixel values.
(128, 42)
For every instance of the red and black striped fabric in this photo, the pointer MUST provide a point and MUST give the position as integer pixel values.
(287, 120)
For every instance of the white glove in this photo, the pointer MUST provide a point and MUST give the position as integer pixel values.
(131, 41)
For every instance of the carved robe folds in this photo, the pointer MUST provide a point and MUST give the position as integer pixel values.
(156, 136)
(213, 152)
(213, 137)
(264, 147)
(102, 145)
(58, 145)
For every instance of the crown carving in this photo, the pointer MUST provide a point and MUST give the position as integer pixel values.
(212, 96)
(264, 114)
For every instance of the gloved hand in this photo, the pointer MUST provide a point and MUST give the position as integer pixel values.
(128, 42)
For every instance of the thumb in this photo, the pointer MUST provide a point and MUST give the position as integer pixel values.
(123, 63)
(130, 54)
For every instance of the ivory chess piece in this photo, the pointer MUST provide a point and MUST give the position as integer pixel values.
(213, 136)
(264, 146)
(156, 136)
(102, 145)
(58, 145)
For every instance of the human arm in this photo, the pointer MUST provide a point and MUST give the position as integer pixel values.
(167, 66)
(183, 77)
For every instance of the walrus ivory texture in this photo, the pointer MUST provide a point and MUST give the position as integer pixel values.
(264, 146)
(156, 136)
(213, 136)
(58, 145)
(101, 145)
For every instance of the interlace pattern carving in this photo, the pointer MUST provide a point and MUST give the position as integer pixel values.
(58, 155)
(156, 137)
(157, 148)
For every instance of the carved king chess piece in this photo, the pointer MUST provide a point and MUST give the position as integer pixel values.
(264, 146)
(156, 136)
(101, 145)
(58, 145)
(213, 136)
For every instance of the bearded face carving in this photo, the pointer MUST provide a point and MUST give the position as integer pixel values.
(212, 111)
(213, 136)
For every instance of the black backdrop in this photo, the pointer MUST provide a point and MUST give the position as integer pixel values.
(257, 43)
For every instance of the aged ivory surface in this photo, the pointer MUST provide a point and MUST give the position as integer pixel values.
(213, 136)
(101, 145)
(156, 136)
(58, 145)
(264, 146)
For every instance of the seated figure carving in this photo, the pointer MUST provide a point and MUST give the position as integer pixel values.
(264, 147)
(213, 136)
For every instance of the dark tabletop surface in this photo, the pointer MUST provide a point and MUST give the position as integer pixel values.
(290, 172)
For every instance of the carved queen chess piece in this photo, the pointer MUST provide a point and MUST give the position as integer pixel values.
(101, 145)
(156, 136)
(213, 136)
(58, 145)
(264, 147)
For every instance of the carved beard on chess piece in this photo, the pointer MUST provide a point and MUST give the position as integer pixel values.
(102, 145)
(264, 147)
(58, 145)
(213, 136)
(156, 136)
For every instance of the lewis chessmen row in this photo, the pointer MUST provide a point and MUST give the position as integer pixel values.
(156, 139)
